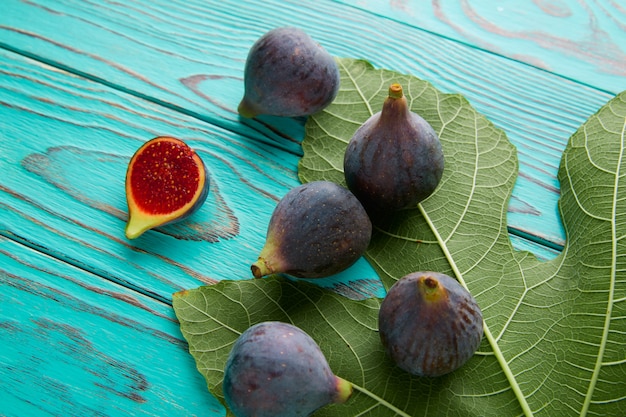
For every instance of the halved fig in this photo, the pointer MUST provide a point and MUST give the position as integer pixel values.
(166, 182)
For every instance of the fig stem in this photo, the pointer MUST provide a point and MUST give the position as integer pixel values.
(261, 268)
(246, 110)
(344, 390)
(430, 282)
(136, 227)
(430, 288)
(395, 91)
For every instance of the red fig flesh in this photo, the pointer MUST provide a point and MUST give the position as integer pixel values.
(166, 182)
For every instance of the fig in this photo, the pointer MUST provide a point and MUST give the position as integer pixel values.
(288, 74)
(316, 230)
(394, 160)
(275, 369)
(166, 182)
(429, 324)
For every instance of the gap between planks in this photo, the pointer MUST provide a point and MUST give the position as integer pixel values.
(79, 265)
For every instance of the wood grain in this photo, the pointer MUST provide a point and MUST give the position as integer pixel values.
(189, 56)
(74, 344)
(583, 41)
(67, 149)
(85, 322)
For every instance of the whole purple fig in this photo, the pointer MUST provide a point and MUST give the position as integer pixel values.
(317, 229)
(288, 74)
(429, 324)
(394, 160)
(277, 370)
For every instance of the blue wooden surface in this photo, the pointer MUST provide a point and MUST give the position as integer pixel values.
(86, 325)
(76, 344)
(583, 41)
(190, 57)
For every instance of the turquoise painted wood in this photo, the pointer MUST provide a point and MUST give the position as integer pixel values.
(86, 325)
(190, 55)
(74, 344)
(67, 150)
(583, 41)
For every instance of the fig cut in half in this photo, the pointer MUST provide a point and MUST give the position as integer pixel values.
(166, 182)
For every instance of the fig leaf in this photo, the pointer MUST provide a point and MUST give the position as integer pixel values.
(554, 330)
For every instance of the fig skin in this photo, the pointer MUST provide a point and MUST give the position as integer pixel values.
(394, 160)
(288, 74)
(317, 229)
(277, 370)
(166, 182)
(429, 324)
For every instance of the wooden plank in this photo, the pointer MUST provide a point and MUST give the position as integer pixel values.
(584, 41)
(66, 142)
(74, 344)
(190, 56)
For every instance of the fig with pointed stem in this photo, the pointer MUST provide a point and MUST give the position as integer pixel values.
(394, 160)
(429, 324)
(317, 229)
(288, 74)
(166, 182)
(275, 369)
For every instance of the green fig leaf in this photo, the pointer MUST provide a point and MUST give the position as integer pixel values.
(555, 331)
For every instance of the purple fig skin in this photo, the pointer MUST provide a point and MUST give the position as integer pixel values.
(288, 74)
(277, 370)
(394, 160)
(429, 324)
(318, 229)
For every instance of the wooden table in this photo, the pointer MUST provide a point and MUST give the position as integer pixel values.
(86, 323)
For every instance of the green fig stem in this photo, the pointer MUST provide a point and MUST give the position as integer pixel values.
(261, 268)
(395, 108)
(431, 283)
(431, 288)
(246, 110)
(343, 390)
(136, 227)
(395, 91)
